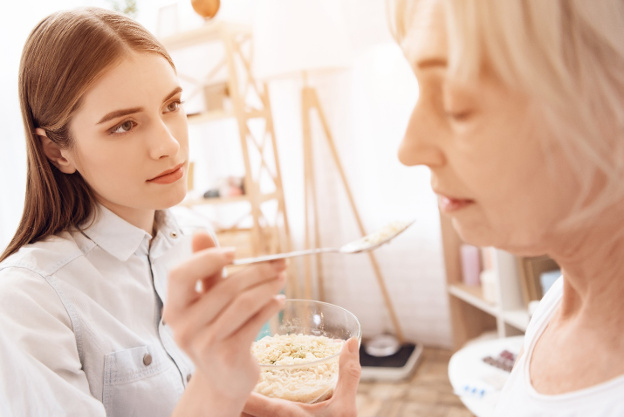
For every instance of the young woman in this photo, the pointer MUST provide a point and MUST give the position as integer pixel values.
(520, 119)
(98, 261)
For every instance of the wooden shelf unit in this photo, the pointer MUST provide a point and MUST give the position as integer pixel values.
(249, 102)
(471, 314)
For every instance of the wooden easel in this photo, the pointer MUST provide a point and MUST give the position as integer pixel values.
(309, 103)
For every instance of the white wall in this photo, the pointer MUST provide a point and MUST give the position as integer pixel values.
(367, 107)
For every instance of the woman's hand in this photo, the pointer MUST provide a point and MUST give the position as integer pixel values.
(216, 321)
(341, 404)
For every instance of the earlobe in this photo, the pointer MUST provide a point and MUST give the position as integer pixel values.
(54, 153)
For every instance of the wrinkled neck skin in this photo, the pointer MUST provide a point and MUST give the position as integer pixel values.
(592, 260)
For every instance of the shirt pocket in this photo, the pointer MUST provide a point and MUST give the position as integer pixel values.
(141, 381)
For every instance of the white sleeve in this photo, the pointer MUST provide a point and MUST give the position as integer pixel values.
(41, 369)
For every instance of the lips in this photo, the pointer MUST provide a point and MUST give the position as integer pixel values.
(451, 204)
(169, 176)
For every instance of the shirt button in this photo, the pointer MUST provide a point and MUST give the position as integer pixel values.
(147, 359)
(173, 234)
(188, 378)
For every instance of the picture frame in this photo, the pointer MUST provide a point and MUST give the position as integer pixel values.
(531, 268)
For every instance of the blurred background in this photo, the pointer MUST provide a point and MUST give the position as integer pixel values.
(366, 101)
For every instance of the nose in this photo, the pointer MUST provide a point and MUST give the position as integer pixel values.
(163, 142)
(420, 145)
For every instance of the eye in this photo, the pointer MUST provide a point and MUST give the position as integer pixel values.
(123, 127)
(459, 102)
(457, 116)
(174, 106)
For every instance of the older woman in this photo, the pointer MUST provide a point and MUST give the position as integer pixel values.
(520, 119)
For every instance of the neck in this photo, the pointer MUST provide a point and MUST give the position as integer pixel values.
(593, 267)
(141, 218)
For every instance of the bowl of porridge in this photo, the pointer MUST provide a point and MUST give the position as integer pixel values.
(299, 348)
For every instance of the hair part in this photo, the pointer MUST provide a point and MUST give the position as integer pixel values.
(63, 57)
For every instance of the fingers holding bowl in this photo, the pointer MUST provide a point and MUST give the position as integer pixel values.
(299, 352)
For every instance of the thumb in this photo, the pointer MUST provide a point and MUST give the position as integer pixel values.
(201, 241)
(349, 374)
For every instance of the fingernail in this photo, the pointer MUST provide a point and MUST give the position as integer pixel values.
(279, 265)
(280, 298)
(353, 345)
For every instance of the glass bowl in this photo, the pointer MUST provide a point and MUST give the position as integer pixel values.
(298, 350)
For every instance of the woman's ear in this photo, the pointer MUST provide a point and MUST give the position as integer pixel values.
(55, 153)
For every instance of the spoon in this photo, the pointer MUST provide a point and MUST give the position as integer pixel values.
(366, 243)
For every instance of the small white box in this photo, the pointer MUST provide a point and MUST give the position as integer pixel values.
(489, 286)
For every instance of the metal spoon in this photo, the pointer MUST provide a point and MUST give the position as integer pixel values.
(368, 242)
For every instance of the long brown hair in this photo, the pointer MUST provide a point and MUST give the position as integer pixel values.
(63, 56)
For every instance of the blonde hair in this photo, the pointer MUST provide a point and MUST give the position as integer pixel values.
(568, 55)
(63, 56)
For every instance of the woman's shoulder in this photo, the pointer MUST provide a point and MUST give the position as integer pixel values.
(25, 290)
(45, 256)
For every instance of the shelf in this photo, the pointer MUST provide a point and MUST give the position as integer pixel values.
(245, 106)
(517, 318)
(472, 295)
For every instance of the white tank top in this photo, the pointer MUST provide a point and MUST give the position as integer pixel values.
(519, 398)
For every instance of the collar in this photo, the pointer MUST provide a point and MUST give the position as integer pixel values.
(168, 233)
(122, 239)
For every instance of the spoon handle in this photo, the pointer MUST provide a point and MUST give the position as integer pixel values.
(265, 258)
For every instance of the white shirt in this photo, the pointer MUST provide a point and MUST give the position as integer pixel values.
(519, 398)
(80, 323)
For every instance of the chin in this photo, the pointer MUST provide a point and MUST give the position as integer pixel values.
(475, 235)
(172, 199)
(524, 251)
(518, 243)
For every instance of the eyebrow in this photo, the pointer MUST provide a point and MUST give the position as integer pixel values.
(119, 113)
(124, 112)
